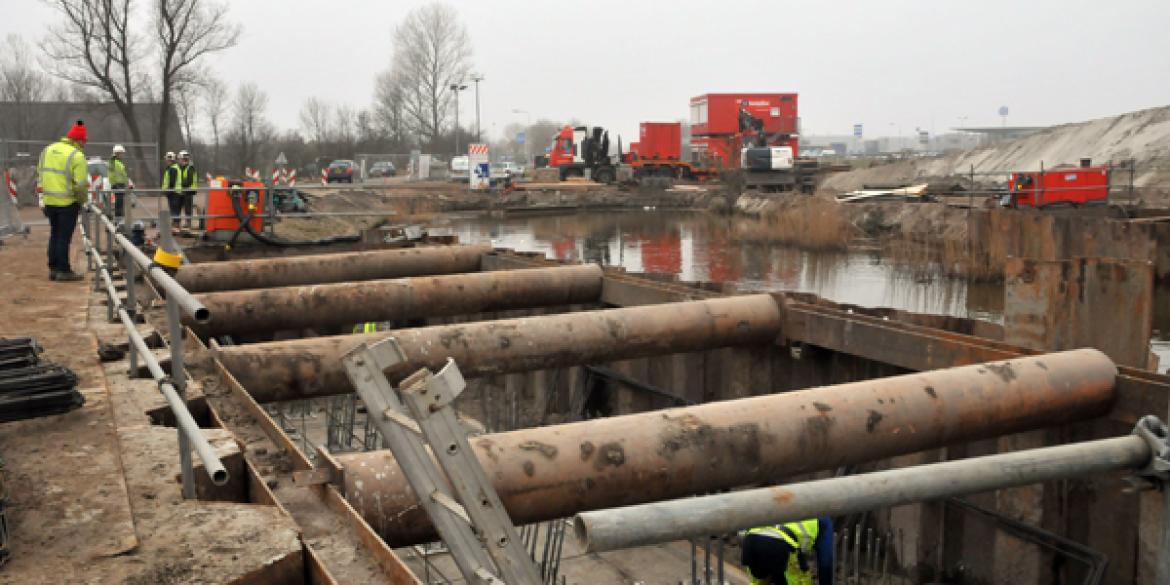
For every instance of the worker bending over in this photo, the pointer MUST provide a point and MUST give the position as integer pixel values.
(785, 554)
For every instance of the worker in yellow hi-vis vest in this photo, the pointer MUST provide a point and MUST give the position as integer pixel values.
(785, 554)
(63, 180)
(368, 327)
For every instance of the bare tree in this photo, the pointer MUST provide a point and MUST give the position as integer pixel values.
(97, 44)
(186, 102)
(315, 120)
(22, 84)
(186, 31)
(432, 51)
(389, 110)
(94, 46)
(215, 98)
(345, 134)
(250, 126)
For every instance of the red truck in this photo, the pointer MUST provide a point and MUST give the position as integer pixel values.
(1073, 186)
(752, 133)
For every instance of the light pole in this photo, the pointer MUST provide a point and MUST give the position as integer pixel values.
(477, 77)
(527, 130)
(457, 87)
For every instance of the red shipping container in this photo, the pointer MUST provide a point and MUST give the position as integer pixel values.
(718, 113)
(660, 140)
(1074, 185)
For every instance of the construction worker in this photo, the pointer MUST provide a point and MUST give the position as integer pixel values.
(367, 327)
(119, 178)
(785, 553)
(64, 184)
(170, 187)
(189, 181)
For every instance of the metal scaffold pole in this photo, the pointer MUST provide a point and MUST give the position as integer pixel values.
(468, 515)
(1143, 452)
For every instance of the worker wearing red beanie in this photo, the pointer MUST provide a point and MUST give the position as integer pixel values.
(64, 184)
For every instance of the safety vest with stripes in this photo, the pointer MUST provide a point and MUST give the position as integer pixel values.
(63, 174)
(368, 327)
(118, 175)
(806, 537)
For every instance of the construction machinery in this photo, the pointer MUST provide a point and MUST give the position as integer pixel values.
(1059, 186)
(752, 137)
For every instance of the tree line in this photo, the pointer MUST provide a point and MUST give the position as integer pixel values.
(104, 51)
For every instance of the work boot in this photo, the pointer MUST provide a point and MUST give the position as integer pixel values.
(68, 276)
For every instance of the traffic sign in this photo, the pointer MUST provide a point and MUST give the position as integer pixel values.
(281, 160)
(520, 138)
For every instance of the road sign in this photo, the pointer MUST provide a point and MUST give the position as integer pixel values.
(520, 137)
(857, 130)
(281, 160)
(477, 162)
(1003, 110)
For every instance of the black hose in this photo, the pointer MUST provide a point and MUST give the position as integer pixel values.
(271, 240)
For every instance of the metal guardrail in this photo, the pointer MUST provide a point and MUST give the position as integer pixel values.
(173, 387)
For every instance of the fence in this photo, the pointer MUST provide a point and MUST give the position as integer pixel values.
(120, 252)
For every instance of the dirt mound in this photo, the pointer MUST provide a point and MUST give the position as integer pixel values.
(1143, 136)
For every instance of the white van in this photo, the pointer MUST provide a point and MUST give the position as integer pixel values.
(460, 165)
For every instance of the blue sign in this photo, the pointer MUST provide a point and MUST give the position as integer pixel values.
(857, 130)
(520, 138)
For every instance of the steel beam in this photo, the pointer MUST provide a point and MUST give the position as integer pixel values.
(647, 524)
(325, 268)
(305, 368)
(331, 305)
(557, 471)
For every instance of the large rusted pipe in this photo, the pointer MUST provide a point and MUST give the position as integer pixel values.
(557, 471)
(305, 368)
(327, 305)
(323, 268)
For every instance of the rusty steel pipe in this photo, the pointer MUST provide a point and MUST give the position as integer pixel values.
(328, 305)
(557, 471)
(304, 368)
(324, 268)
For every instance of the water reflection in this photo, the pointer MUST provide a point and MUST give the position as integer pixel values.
(702, 247)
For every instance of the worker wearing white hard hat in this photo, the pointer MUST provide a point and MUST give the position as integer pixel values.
(188, 182)
(119, 178)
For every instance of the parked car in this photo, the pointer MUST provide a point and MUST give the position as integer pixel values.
(341, 171)
(460, 166)
(382, 169)
(507, 168)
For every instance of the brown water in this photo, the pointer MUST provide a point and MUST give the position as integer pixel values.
(703, 247)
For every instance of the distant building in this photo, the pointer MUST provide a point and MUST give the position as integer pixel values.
(997, 134)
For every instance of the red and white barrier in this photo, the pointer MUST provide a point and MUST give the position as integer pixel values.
(209, 178)
(11, 183)
(275, 177)
(324, 177)
(289, 176)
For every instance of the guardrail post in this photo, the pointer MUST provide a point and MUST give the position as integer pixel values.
(178, 376)
(87, 225)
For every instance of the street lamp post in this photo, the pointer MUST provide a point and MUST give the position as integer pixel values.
(457, 87)
(477, 77)
(527, 130)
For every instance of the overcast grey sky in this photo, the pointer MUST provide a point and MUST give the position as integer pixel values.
(893, 65)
